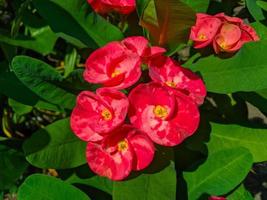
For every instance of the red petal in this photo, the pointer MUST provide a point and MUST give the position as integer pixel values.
(115, 167)
(143, 149)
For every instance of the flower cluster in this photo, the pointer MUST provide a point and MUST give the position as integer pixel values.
(163, 111)
(106, 6)
(226, 34)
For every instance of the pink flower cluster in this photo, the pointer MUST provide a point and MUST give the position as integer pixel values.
(106, 6)
(163, 111)
(226, 34)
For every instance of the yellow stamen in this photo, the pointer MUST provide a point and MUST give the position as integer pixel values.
(106, 114)
(160, 111)
(122, 145)
(202, 36)
(115, 73)
(170, 84)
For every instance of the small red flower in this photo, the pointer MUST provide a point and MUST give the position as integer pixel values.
(233, 34)
(165, 70)
(205, 30)
(217, 198)
(124, 150)
(106, 6)
(227, 34)
(166, 115)
(95, 115)
(118, 64)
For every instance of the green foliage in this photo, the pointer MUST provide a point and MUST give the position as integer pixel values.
(230, 136)
(220, 173)
(43, 187)
(73, 21)
(43, 80)
(55, 146)
(223, 75)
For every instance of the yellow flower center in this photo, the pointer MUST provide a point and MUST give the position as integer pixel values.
(222, 45)
(170, 84)
(160, 111)
(202, 36)
(106, 114)
(122, 145)
(115, 73)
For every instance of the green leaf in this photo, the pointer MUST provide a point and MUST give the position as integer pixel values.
(198, 6)
(70, 61)
(55, 146)
(19, 108)
(12, 165)
(240, 194)
(44, 187)
(262, 4)
(255, 10)
(168, 22)
(158, 184)
(72, 21)
(229, 136)
(43, 80)
(219, 174)
(41, 41)
(140, 6)
(245, 71)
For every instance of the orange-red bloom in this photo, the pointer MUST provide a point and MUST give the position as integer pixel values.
(106, 6)
(118, 64)
(168, 72)
(166, 115)
(124, 150)
(95, 115)
(227, 34)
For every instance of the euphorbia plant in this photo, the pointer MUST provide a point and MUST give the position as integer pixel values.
(132, 99)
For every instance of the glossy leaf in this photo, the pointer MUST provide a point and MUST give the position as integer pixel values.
(240, 194)
(42, 42)
(168, 22)
(43, 80)
(255, 10)
(245, 71)
(230, 136)
(198, 6)
(219, 174)
(55, 146)
(44, 187)
(73, 21)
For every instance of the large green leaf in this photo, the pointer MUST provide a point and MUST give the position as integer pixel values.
(245, 71)
(55, 146)
(220, 173)
(158, 184)
(44, 187)
(168, 22)
(240, 194)
(72, 21)
(198, 6)
(255, 10)
(43, 80)
(229, 136)
(12, 165)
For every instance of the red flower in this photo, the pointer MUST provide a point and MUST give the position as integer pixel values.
(95, 115)
(233, 34)
(167, 71)
(205, 30)
(118, 64)
(166, 115)
(217, 198)
(227, 34)
(124, 150)
(106, 6)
